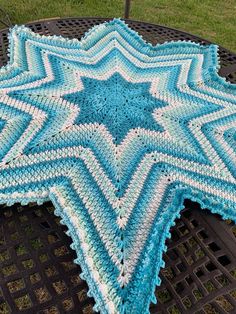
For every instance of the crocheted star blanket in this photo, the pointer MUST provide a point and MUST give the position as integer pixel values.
(116, 133)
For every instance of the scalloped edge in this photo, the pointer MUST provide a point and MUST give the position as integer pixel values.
(176, 206)
(212, 49)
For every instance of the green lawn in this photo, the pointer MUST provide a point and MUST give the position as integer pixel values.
(212, 19)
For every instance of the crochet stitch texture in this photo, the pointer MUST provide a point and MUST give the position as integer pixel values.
(116, 133)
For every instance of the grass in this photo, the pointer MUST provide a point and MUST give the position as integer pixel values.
(16, 285)
(211, 19)
(163, 296)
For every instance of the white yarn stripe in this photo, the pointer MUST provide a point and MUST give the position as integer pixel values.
(94, 272)
(38, 118)
(106, 186)
(148, 217)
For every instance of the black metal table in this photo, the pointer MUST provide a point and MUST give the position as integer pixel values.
(37, 273)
